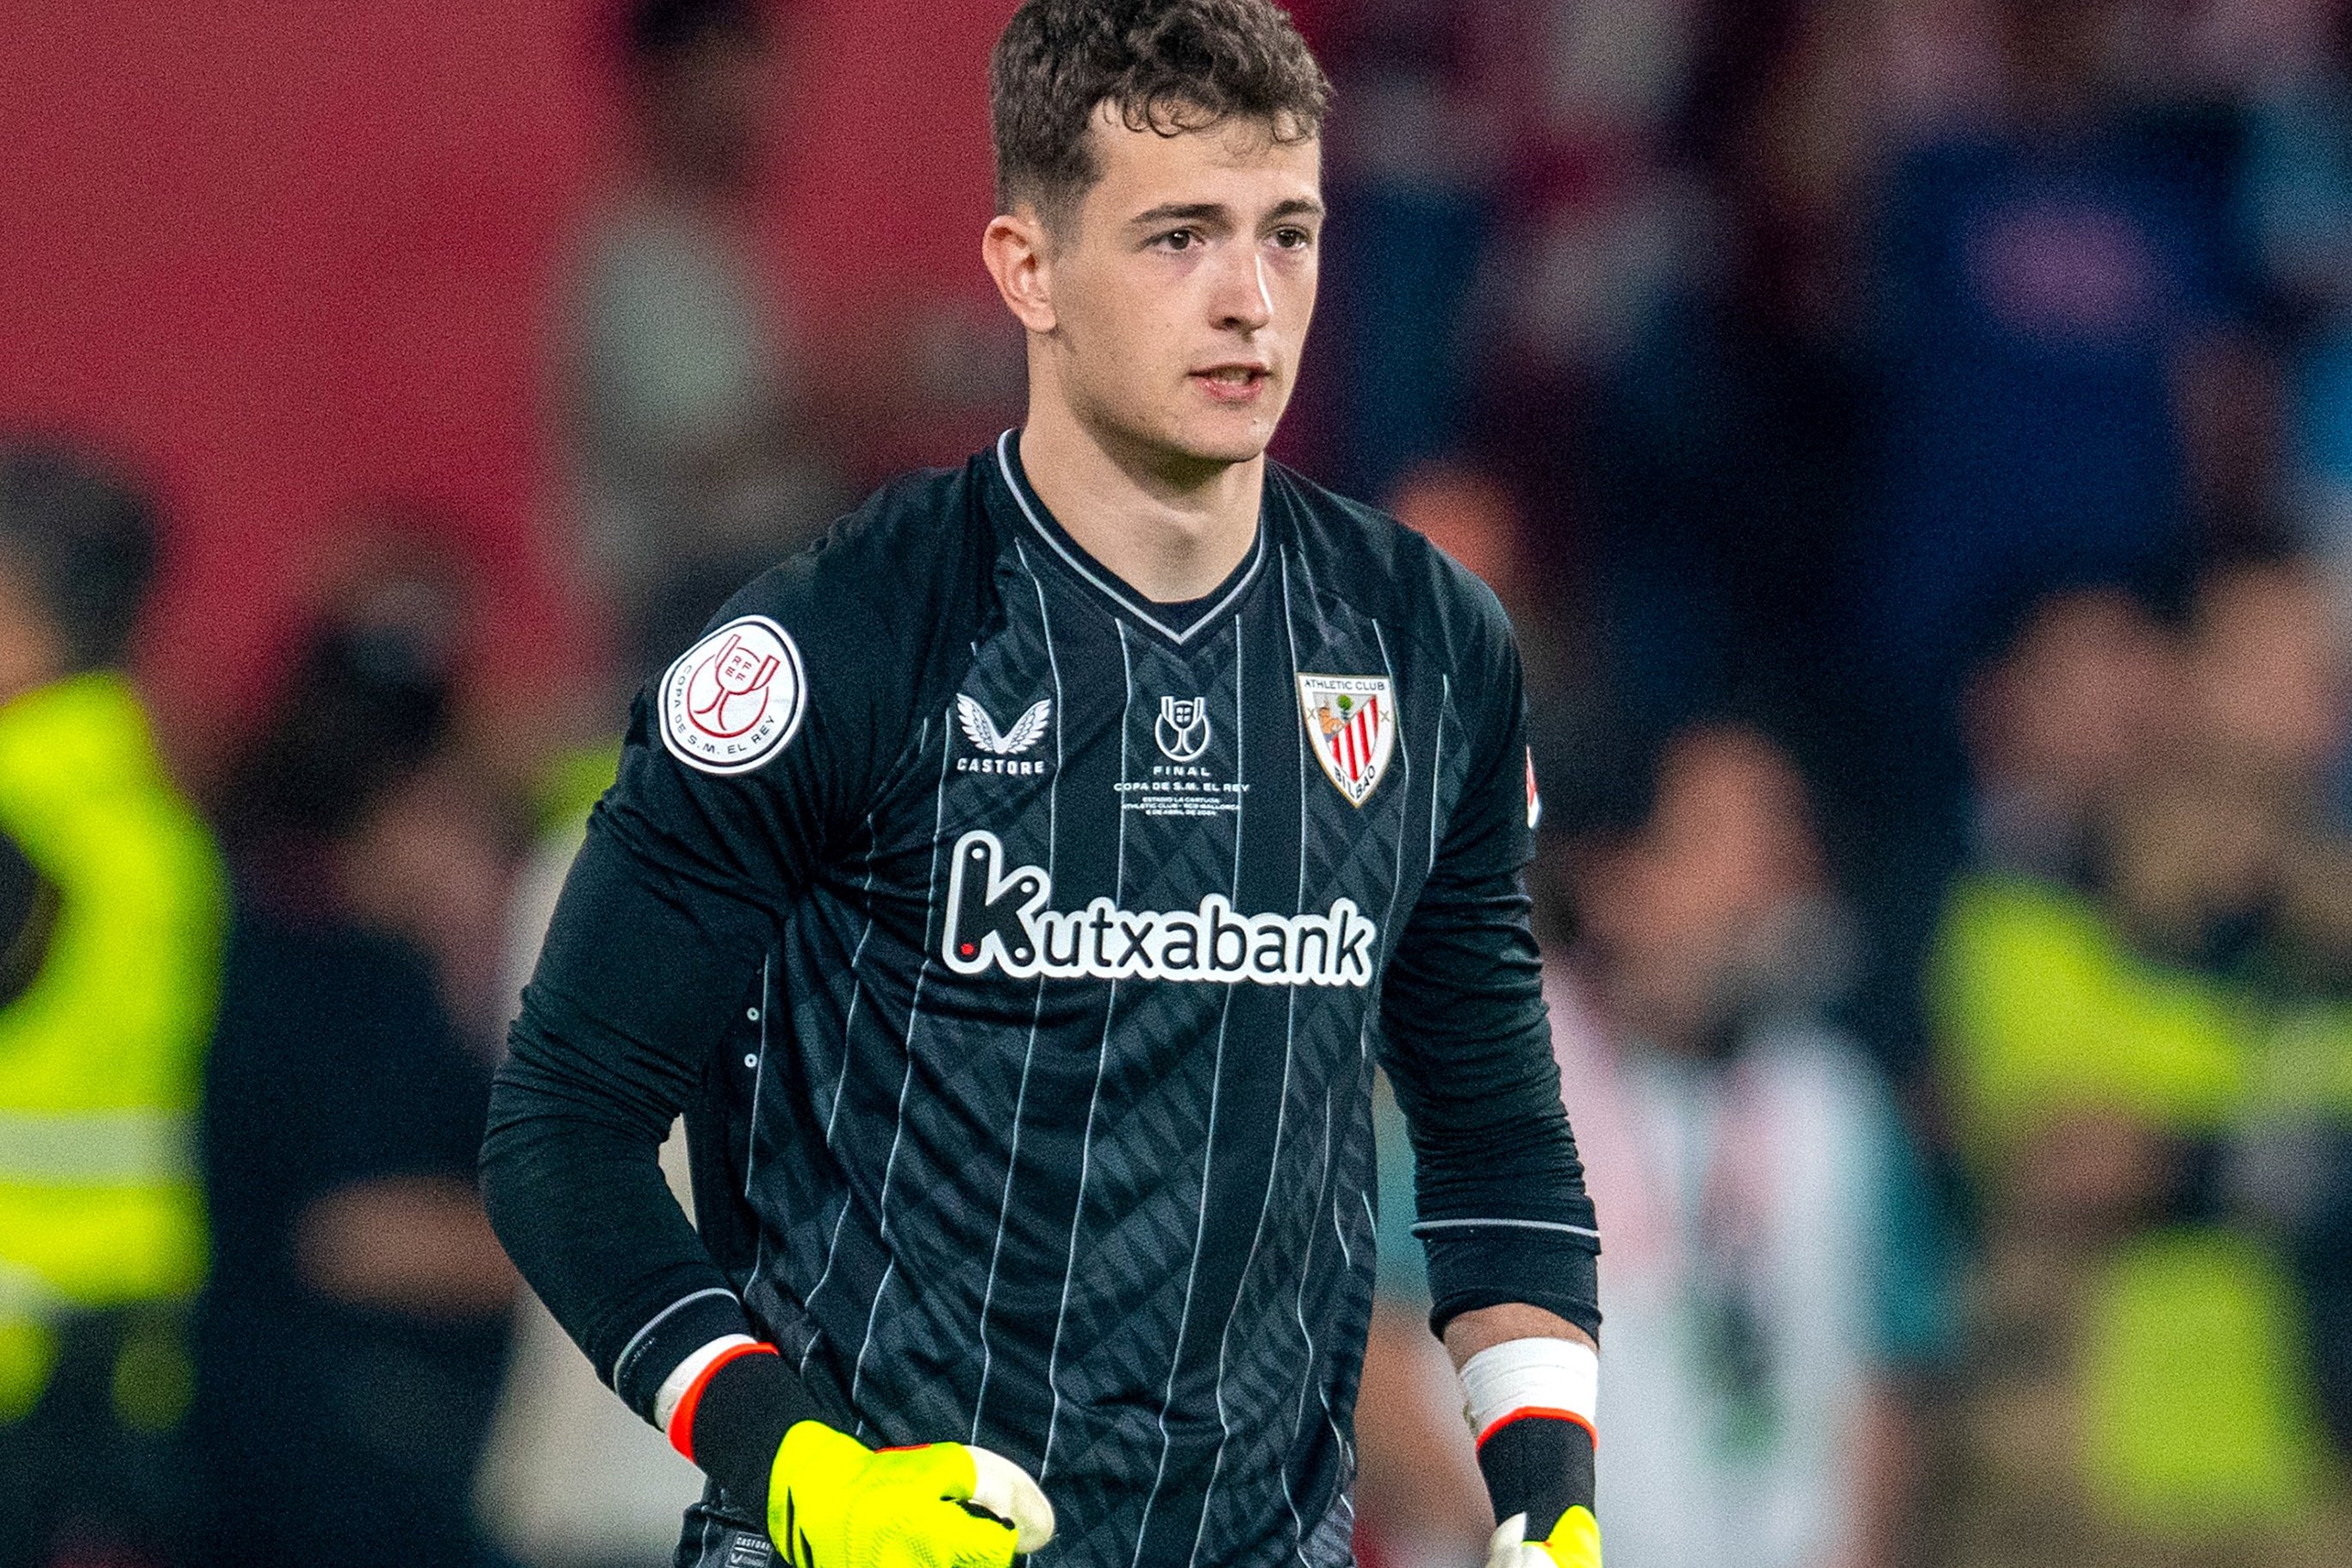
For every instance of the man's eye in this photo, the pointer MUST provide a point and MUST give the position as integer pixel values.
(1293, 238)
(1178, 240)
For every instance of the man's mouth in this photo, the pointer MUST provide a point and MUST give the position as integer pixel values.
(1232, 383)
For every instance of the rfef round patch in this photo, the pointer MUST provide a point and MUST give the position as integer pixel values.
(734, 698)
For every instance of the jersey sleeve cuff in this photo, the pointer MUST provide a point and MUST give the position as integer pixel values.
(676, 1332)
(1473, 1265)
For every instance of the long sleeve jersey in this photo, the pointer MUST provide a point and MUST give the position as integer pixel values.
(1020, 951)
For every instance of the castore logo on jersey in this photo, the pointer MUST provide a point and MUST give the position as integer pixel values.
(1001, 746)
(998, 917)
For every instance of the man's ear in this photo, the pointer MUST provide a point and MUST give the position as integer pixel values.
(1014, 251)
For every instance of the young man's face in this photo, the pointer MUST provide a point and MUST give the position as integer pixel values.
(1182, 284)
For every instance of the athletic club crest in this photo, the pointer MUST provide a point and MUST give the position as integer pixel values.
(1351, 719)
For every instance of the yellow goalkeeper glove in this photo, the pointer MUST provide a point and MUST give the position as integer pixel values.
(833, 1502)
(1575, 1542)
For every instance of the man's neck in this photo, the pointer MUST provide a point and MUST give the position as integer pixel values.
(1171, 530)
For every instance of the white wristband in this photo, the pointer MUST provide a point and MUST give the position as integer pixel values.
(682, 1375)
(1553, 1377)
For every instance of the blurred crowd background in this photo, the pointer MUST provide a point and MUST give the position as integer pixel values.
(1913, 438)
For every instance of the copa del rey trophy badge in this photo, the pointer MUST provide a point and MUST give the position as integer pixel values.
(734, 698)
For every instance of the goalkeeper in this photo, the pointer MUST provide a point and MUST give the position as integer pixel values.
(1015, 894)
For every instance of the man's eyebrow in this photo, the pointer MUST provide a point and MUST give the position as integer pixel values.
(1217, 212)
(1182, 212)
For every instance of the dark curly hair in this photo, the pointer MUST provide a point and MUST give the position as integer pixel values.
(1169, 66)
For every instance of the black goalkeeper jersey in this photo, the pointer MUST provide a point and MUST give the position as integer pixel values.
(1021, 952)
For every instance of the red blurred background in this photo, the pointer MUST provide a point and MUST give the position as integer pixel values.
(256, 249)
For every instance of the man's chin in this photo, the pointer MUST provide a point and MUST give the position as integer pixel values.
(1191, 439)
(1225, 440)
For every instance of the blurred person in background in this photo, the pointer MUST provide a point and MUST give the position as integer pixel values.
(1467, 511)
(687, 413)
(2059, 724)
(355, 1328)
(2050, 284)
(1417, 166)
(1729, 449)
(1776, 1270)
(2053, 341)
(2298, 206)
(1467, 507)
(111, 920)
(1593, 223)
(2143, 1044)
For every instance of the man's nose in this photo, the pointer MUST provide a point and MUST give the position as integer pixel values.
(1243, 302)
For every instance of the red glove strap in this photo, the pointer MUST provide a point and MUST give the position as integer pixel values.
(1524, 1413)
(681, 1421)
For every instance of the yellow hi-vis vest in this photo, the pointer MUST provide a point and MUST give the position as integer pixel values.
(101, 1058)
